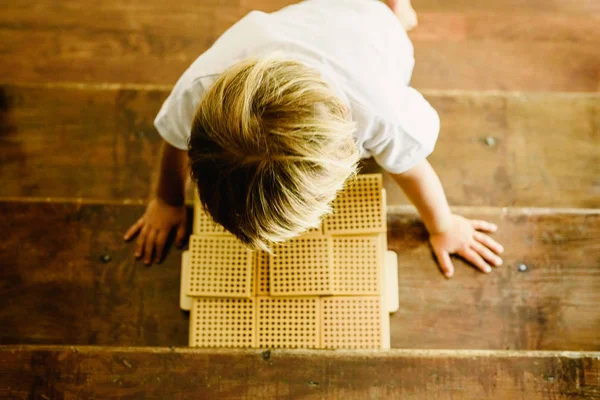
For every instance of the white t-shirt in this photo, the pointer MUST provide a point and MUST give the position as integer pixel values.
(359, 47)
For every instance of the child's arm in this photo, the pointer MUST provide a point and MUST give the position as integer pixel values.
(449, 233)
(166, 209)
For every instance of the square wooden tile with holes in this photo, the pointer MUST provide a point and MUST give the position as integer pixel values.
(359, 208)
(353, 322)
(222, 322)
(302, 267)
(323, 289)
(357, 264)
(219, 267)
(287, 322)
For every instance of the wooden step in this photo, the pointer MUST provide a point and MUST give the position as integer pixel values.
(68, 278)
(461, 44)
(53, 372)
(498, 149)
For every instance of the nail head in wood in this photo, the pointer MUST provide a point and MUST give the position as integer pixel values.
(522, 267)
(490, 141)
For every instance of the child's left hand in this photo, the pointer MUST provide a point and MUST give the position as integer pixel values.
(465, 239)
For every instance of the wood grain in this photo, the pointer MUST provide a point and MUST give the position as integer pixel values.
(549, 305)
(509, 6)
(67, 277)
(160, 373)
(515, 150)
(461, 44)
(98, 142)
(58, 287)
(77, 142)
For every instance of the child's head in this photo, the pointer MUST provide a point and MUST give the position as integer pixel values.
(271, 145)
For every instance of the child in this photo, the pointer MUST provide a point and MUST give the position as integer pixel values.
(275, 116)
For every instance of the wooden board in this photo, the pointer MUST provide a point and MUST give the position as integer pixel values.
(67, 277)
(507, 6)
(58, 287)
(461, 44)
(98, 142)
(57, 372)
(514, 150)
(506, 50)
(65, 141)
(509, 308)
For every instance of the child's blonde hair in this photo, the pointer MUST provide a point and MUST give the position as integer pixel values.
(271, 145)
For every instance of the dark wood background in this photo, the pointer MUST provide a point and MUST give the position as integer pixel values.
(516, 86)
(76, 296)
(461, 44)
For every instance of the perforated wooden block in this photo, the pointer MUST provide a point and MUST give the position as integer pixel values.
(287, 322)
(185, 301)
(353, 323)
(302, 267)
(222, 323)
(359, 208)
(219, 267)
(203, 222)
(357, 265)
(384, 212)
(261, 273)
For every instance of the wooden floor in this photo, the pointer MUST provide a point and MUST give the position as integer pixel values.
(53, 372)
(496, 149)
(553, 305)
(461, 44)
(516, 84)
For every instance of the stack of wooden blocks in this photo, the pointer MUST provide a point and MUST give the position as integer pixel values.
(324, 289)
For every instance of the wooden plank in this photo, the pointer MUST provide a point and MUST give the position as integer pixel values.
(68, 278)
(141, 41)
(514, 150)
(160, 373)
(57, 287)
(513, 45)
(509, 6)
(78, 142)
(499, 6)
(501, 65)
(99, 142)
(543, 297)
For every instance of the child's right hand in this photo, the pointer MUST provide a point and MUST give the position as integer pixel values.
(154, 228)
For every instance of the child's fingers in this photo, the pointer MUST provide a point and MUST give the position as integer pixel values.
(471, 256)
(134, 229)
(161, 240)
(141, 241)
(488, 242)
(445, 262)
(149, 247)
(180, 236)
(484, 226)
(487, 254)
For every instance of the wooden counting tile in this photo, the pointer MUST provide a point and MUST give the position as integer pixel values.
(185, 301)
(302, 267)
(353, 323)
(357, 265)
(359, 208)
(287, 322)
(219, 267)
(226, 322)
(261, 272)
(203, 222)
